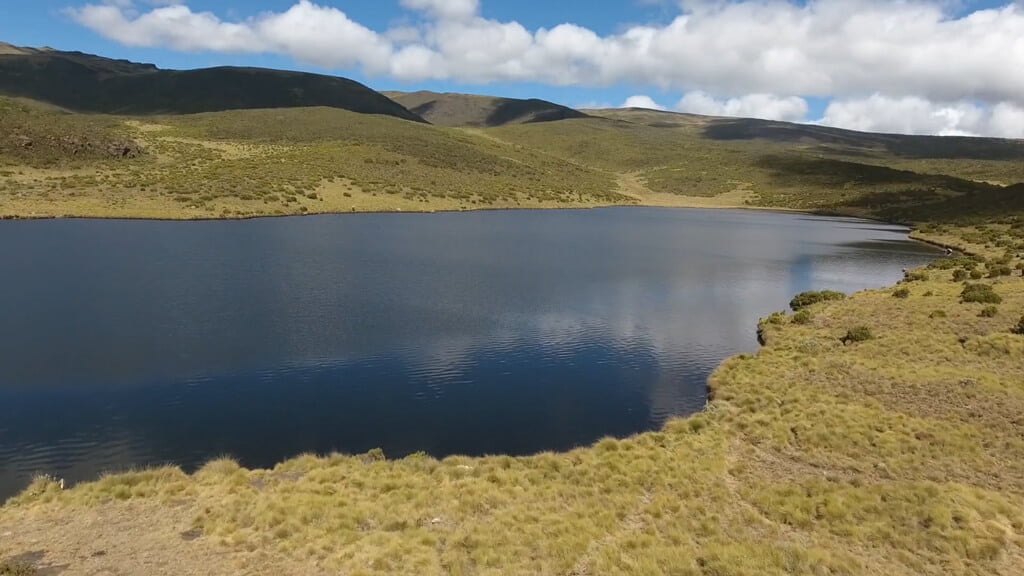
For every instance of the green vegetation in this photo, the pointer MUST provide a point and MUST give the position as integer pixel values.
(805, 299)
(983, 293)
(803, 317)
(989, 311)
(857, 334)
(915, 275)
(901, 293)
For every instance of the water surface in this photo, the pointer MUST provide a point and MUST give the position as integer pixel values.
(131, 343)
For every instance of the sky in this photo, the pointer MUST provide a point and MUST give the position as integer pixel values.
(950, 67)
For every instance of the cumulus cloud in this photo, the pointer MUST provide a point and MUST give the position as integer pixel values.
(642, 101)
(914, 115)
(767, 106)
(766, 55)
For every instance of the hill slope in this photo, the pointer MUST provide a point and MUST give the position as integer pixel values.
(88, 83)
(468, 110)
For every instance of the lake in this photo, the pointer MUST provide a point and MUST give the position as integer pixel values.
(133, 343)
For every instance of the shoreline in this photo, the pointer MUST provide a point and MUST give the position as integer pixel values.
(709, 388)
(695, 206)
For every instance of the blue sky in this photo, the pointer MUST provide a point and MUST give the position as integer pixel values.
(924, 66)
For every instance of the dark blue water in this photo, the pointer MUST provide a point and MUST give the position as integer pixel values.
(130, 343)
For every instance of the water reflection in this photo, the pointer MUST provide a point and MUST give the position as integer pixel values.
(132, 343)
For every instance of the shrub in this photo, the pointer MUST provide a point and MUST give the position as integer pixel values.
(982, 293)
(802, 317)
(989, 311)
(950, 263)
(805, 299)
(1019, 328)
(16, 568)
(901, 293)
(915, 276)
(977, 274)
(999, 270)
(857, 334)
(937, 314)
(960, 274)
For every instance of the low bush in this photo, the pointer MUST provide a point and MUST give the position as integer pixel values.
(857, 334)
(977, 274)
(981, 293)
(902, 293)
(950, 263)
(989, 312)
(1019, 328)
(805, 299)
(803, 317)
(961, 274)
(937, 314)
(915, 276)
(999, 270)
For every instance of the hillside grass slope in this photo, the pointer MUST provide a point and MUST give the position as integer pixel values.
(475, 111)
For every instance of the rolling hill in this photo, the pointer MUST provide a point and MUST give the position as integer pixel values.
(473, 111)
(88, 83)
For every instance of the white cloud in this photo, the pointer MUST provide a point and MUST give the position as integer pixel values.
(767, 106)
(641, 101)
(776, 52)
(914, 115)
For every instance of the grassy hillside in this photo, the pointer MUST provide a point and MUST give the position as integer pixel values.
(88, 83)
(468, 110)
(265, 162)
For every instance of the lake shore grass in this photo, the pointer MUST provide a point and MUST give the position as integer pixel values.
(899, 453)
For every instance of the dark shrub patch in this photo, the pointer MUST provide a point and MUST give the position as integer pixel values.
(999, 270)
(857, 334)
(1019, 328)
(802, 317)
(901, 293)
(960, 274)
(982, 293)
(989, 312)
(805, 299)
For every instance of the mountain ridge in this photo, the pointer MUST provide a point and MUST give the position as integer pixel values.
(89, 83)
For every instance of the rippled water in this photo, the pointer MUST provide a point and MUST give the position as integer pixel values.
(128, 343)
